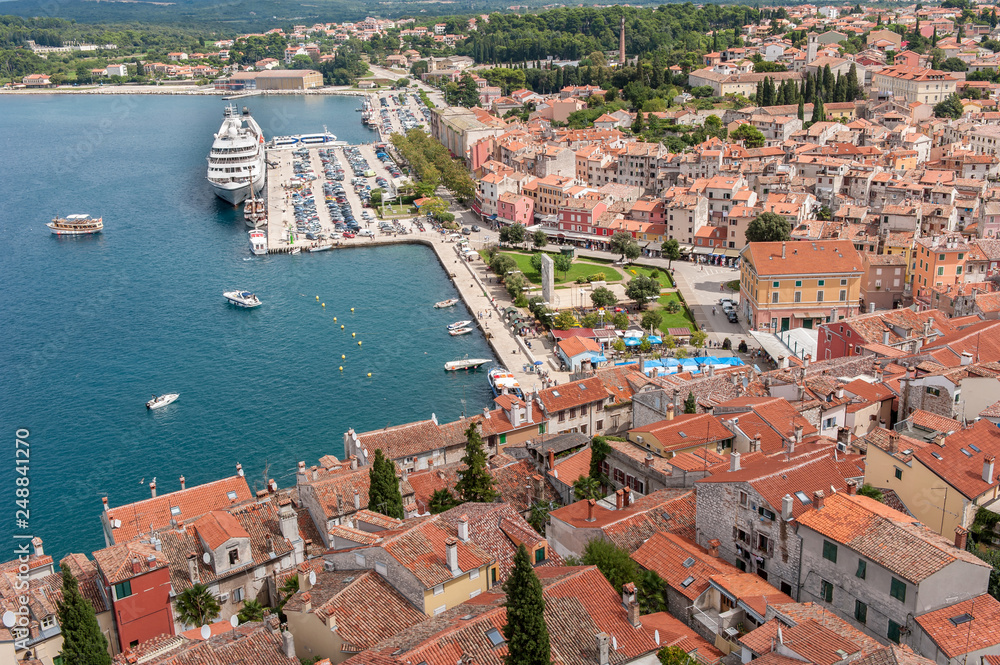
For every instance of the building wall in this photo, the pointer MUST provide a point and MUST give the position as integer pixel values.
(314, 639)
(568, 540)
(146, 613)
(456, 591)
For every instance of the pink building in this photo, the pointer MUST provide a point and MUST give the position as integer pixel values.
(515, 209)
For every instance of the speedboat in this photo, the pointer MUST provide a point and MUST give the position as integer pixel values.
(321, 248)
(459, 324)
(465, 363)
(503, 382)
(459, 331)
(451, 302)
(242, 298)
(258, 242)
(76, 225)
(158, 402)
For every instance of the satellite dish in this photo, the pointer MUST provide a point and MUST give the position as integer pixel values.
(614, 642)
(9, 619)
(312, 577)
(206, 632)
(234, 621)
(206, 557)
(656, 636)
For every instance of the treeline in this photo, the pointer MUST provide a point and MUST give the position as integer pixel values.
(433, 164)
(15, 31)
(823, 86)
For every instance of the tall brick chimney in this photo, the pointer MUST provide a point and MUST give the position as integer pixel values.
(451, 546)
(590, 510)
(818, 498)
(182, 483)
(713, 547)
(619, 499)
(961, 537)
(552, 459)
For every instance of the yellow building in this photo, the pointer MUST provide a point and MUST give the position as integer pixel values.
(914, 84)
(943, 483)
(787, 285)
(901, 244)
(288, 79)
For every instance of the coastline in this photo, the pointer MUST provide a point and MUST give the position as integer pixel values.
(183, 90)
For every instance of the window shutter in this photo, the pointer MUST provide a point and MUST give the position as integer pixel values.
(770, 547)
(735, 534)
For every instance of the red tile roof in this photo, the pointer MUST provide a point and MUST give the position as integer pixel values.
(420, 547)
(217, 527)
(667, 554)
(569, 469)
(962, 466)
(688, 430)
(250, 643)
(674, 632)
(119, 562)
(955, 639)
(574, 393)
(827, 257)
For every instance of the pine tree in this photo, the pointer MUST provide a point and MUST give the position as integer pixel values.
(383, 487)
(83, 642)
(690, 405)
(474, 481)
(525, 631)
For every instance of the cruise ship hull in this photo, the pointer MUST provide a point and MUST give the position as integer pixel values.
(239, 193)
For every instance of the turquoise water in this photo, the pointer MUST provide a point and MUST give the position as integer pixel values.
(91, 327)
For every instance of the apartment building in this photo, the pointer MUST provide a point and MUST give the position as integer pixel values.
(914, 84)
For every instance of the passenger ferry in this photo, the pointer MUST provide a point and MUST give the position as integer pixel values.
(258, 242)
(76, 225)
(236, 160)
(299, 140)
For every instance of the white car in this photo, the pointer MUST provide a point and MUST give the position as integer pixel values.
(365, 233)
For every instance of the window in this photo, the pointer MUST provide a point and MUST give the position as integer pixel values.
(826, 591)
(821, 282)
(562, 416)
(439, 589)
(494, 636)
(743, 499)
(763, 542)
(843, 295)
(941, 271)
(786, 588)
(237, 594)
(765, 513)
(774, 284)
(572, 412)
(899, 474)
(830, 551)
(860, 612)
(381, 568)
(599, 425)
(798, 282)
(897, 589)
(123, 590)
(798, 296)
(540, 555)
(819, 296)
(893, 632)
(48, 621)
(829, 422)
(930, 390)
(474, 574)
(234, 557)
(862, 569)
(843, 282)
(774, 298)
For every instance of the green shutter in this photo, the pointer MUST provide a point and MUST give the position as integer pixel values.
(829, 551)
(897, 589)
(540, 555)
(862, 568)
(860, 612)
(893, 632)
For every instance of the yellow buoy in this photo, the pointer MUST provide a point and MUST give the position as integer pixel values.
(343, 357)
(369, 375)
(324, 304)
(359, 343)
(317, 297)
(352, 309)
(341, 327)
(341, 368)
(334, 319)
(354, 334)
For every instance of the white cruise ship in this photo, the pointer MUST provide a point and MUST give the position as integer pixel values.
(236, 162)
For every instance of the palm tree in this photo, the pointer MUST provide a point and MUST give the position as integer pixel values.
(586, 487)
(196, 606)
(652, 592)
(252, 611)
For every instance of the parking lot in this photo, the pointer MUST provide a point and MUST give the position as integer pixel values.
(400, 111)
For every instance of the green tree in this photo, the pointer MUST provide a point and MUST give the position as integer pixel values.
(871, 492)
(619, 241)
(637, 125)
(672, 250)
(562, 263)
(614, 562)
(673, 307)
(819, 112)
(474, 481)
(652, 592)
(602, 296)
(750, 135)
(674, 656)
(620, 320)
(539, 239)
(515, 234)
(376, 197)
(502, 264)
(442, 500)
(651, 320)
(525, 631)
(698, 338)
(951, 107)
(632, 251)
(252, 610)
(801, 113)
(196, 606)
(690, 404)
(768, 227)
(642, 289)
(586, 487)
(539, 516)
(383, 487)
(564, 320)
(599, 451)
(83, 642)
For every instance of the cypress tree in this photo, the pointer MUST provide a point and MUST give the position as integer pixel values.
(383, 487)
(758, 97)
(637, 125)
(853, 89)
(83, 642)
(934, 37)
(525, 631)
(690, 405)
(808, 90)
(828, 82)
(802, 110)
(474, 481)
(840, 89)
(819, 113)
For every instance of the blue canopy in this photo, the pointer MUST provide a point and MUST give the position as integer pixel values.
(688, 362)
(632, 341)
(654, 363)
(707, 360)
(598, 358)
(655, 339)
(627, 362)
(670, 362)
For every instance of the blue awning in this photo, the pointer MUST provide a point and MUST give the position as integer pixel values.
(597, 358)
(670, 362)
(653, 363)
(632, 341)
(655, 339)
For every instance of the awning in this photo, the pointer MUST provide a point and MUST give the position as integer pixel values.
(655, 339)
(701, 250)
(732, 253)
(809, 315)
(597, 358)
(632, 341)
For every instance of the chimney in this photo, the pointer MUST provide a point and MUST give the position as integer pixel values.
(619, 498)
(885, 336)
(787, 504)
(818, 497)
(182, 482)
(713, 547)
(844, 436)
(552, 459)
(36, 542)
(966, 358)
(798, 434)
(711, 371)
(463, 528)
(734, 462)
(648, 462)
(451, 545)
(961, 537)
(287, 520)
(410, 509)
(301, 477)
(314, 472)
(852, 487)
(603, 649)
(590, 510)
(782, 251)
(239, 469)
(783, 362)
(988, 469)
(354, 463)
(104, 500)
(536, 487)
(528, 399)
(306, 601)
(136, 565)
(871, 308)
(626, 497)
(670, 412)
(357, 500)
(515, 415)
(807, 360)
(288, 645)
(152, 488)
(151, 562)
(193, 568)
(840, 392)
(756, 443)
(628, 593)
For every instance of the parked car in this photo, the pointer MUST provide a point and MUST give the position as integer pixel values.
(466, 231)
(365, 233)
(733, 316)
(475, 229)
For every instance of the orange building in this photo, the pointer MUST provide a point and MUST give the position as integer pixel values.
(939, 260)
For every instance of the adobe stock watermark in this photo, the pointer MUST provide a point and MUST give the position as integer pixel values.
(18, 620)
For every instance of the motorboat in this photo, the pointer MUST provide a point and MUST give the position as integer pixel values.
(76, 225)
(242, 299)
(460, 331)
(258, 242)
(503, 382)
(321, 248)
(465, 363)
(459, 324)
(297, 250)
(451, 302)
(160, 401)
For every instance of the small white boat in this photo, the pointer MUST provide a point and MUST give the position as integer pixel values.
(465, 363)
(459, 324)
(459, 331)
(75, 225)
(258, 242)
(297, 250)
(158, 402)
(321, 248)
(242, 298)
(446, 303)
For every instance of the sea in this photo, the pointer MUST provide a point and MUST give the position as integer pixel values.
(91, 328)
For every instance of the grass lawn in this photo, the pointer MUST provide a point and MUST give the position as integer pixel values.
(581, 268)
(663, 278)
(395, 210)
(678, 320)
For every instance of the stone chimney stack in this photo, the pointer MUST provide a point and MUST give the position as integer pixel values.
(288, 645)
(451, 546)
(670, 412)
(756, 443)
(626, 496)
(300, 476)
(288, 520)
(988, 469)
(528, 399)
(961, 537)
(648, 461)
(807, 360)
(552, 459)
(104, 501)
(36, 543)
(852, 488)
(619, 499)
(354, 463)
(463, 528)
(713, 547)
(798, 433)
(152, 488)
(193, 574)
(304, 584)
(603, 649)
(239, 469)
(515, 415)
(590, 510)
(182, 483)
(782, 251)
(818, 498)
(357, 500)
(734, 462)
(787, 504)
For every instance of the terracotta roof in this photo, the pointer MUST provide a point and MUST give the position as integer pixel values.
(572, 394)
(960, 462)
(945, 626)
(674, 632)
(401, 441)
(683, 565)
(249, 643)
(814, 642)
(934, 422)
(128, 560)
(687, 430)
(420, 547)
(669, 510)
(334, 492)
(515, 482)
(750, 590)
(218, 527)
(575, 346)
(804, 258)
(569, 469)
(155, 513)
(889, 538)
